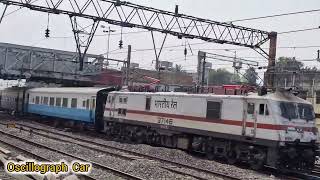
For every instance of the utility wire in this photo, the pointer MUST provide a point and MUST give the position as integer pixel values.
(217, 49)
(276, 15)
(299, 30)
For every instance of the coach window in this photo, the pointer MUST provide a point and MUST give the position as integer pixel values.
(64, 102)
(41, 100)
(148, 103)
(74, 103)
(37, 99)
(250, 109)
(87, 103)
(125, 100)
(58, 102)
(213, 110)
(45, 100)
(84, 103)
(51, 101)
(261, 109)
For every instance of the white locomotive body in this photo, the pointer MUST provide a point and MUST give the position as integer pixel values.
(276, 129)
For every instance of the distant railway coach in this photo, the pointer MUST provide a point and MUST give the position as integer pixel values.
(82, 105)
(276, 129)
(12, 99)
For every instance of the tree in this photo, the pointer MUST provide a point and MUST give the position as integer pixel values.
(220, 77)
(288, 64)
(288, 72)
(251, 76)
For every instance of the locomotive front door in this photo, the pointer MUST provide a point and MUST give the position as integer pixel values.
(112, 105)
(250, 119)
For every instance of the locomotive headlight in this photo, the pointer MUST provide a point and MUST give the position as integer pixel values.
(291, 129)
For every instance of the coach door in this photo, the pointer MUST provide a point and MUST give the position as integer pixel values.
(250, 119)
(92, 107)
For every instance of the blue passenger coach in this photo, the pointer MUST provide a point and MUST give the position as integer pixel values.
(77, 104)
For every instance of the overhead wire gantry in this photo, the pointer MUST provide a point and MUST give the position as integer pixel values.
(131, 15)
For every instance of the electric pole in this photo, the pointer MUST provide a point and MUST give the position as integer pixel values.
(270, 74)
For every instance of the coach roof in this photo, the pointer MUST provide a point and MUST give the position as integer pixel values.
(277, 96)
(73, 90)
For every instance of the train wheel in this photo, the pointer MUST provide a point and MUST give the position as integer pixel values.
(56, 123)
(232, 157)
(210, 153)
(257, 160)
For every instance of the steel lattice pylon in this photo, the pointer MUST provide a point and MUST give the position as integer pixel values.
(131, 15)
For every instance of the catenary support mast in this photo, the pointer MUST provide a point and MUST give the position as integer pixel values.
(131, 15)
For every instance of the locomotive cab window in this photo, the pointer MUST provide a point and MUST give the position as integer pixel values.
(213, 110)
(261, 109)
(123, 100)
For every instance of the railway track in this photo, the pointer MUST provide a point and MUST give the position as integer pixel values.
(316, 170)
(4, 176)
(170, 165)
(95, 164)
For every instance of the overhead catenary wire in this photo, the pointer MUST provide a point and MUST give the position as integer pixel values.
(276, 15)
(218, 49)
(247, 19)
(299, 30)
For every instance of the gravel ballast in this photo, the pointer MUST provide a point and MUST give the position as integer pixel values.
(143, 168)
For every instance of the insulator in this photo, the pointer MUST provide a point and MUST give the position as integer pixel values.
(120, 44)
(185, 51)
(47, 33)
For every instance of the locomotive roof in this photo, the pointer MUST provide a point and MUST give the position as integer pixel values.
(277, 96)
(73, 90)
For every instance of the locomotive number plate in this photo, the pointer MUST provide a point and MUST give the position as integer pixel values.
(165, 121)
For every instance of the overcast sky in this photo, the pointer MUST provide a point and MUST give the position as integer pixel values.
(27, 27)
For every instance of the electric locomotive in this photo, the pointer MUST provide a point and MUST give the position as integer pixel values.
(276, 129)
